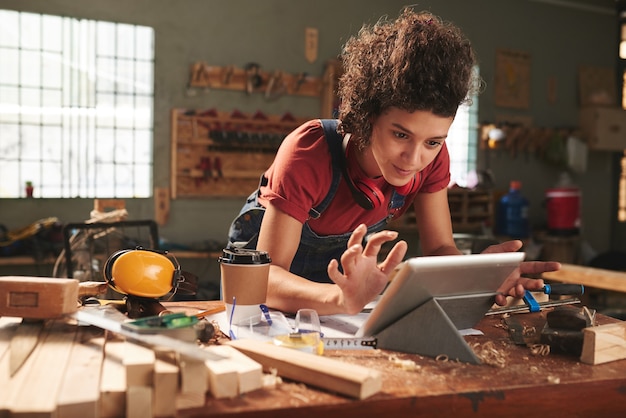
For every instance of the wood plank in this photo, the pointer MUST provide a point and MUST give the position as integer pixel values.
(139, 402)
(139, 364)
(589, 276)
(193, 383)
(223, 375)
(37, 297)
(322, 372)
(113, 381)
(604, 343)
(8, 326)
(79, 394)
(249, 372)
(45, 374)
(165, 387)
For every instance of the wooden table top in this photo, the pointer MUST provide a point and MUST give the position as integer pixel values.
(523, 384)
(511, 382)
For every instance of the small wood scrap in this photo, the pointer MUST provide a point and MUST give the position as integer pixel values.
(604, 343)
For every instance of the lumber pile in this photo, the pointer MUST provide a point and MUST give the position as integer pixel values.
(82, 371)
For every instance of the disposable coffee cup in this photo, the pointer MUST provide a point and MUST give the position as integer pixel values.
(244, 276)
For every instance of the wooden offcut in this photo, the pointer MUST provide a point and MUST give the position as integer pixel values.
(604, 343)
(588, 276)
(37, 297)
(322, 372)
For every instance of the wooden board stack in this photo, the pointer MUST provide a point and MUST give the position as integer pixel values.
(83, 371)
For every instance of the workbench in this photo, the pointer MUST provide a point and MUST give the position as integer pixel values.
(526, 384)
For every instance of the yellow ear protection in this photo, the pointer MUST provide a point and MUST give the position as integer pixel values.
(142, 272)
(364, 190)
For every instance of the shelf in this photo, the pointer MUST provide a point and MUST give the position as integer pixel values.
(217, 153)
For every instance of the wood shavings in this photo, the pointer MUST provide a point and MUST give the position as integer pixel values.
(271, 379)
(442, 358)
(554, 380)
(489, 354)
(539, 349)
(404, 364)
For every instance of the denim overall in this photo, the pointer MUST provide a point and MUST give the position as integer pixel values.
(314, 252)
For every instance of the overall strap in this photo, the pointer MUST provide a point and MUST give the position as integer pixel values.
(334, 139)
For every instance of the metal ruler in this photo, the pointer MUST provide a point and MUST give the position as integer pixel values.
(349, 343)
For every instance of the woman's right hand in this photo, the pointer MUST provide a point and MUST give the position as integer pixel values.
(363, 278)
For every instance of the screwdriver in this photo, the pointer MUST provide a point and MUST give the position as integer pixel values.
(554, 289)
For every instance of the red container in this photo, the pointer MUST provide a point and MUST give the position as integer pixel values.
(563, 206)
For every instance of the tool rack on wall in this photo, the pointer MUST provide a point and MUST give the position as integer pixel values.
(217, 153)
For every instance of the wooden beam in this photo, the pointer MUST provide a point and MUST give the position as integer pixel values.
(604, 343)
(113, 381)
(165, 387)
(589, 276)
(80, 391)
(322, 372)
(39, 390)
(37, 297)
(249, 372)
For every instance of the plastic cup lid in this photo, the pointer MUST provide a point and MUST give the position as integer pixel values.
(244, 256)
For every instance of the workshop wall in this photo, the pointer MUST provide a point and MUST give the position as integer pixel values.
(559, 40)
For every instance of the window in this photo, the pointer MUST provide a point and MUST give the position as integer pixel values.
(462, 144)
(76, 107)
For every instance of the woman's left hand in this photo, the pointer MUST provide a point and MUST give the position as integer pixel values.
(515, 285)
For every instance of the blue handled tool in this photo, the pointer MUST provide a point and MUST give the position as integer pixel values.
(554, 289)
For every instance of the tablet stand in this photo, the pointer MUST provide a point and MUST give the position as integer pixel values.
(432, 329)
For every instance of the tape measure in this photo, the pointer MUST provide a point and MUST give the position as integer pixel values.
(349, 343)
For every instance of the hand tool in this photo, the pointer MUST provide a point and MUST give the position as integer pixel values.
(563, 330)
(531, 304)
(34, 299)
(112, 320)
(556, 289)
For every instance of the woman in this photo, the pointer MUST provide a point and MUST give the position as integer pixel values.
(322, 206)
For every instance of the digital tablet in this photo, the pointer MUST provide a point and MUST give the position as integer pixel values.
(419, 279)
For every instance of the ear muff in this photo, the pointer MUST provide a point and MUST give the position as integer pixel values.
(141, 272)
(365, 191)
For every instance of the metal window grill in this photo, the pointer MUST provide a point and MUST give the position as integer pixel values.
(76, 107)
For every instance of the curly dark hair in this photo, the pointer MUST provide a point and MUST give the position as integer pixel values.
(416, 62)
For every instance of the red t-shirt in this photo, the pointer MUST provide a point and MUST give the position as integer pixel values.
(301, 175)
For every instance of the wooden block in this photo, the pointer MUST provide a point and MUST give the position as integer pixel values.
(193, 375)
(249, 372)
(39, 390)
(113, 381)
(223, 378)
(37, 297)
(139, 402)
(604, 343)
(322, 372)
(139, 363)
(79, 393)
(165, 388)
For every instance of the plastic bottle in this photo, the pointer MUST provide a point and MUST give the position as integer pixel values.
(513, 213)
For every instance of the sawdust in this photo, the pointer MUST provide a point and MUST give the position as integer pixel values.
(404, 364)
